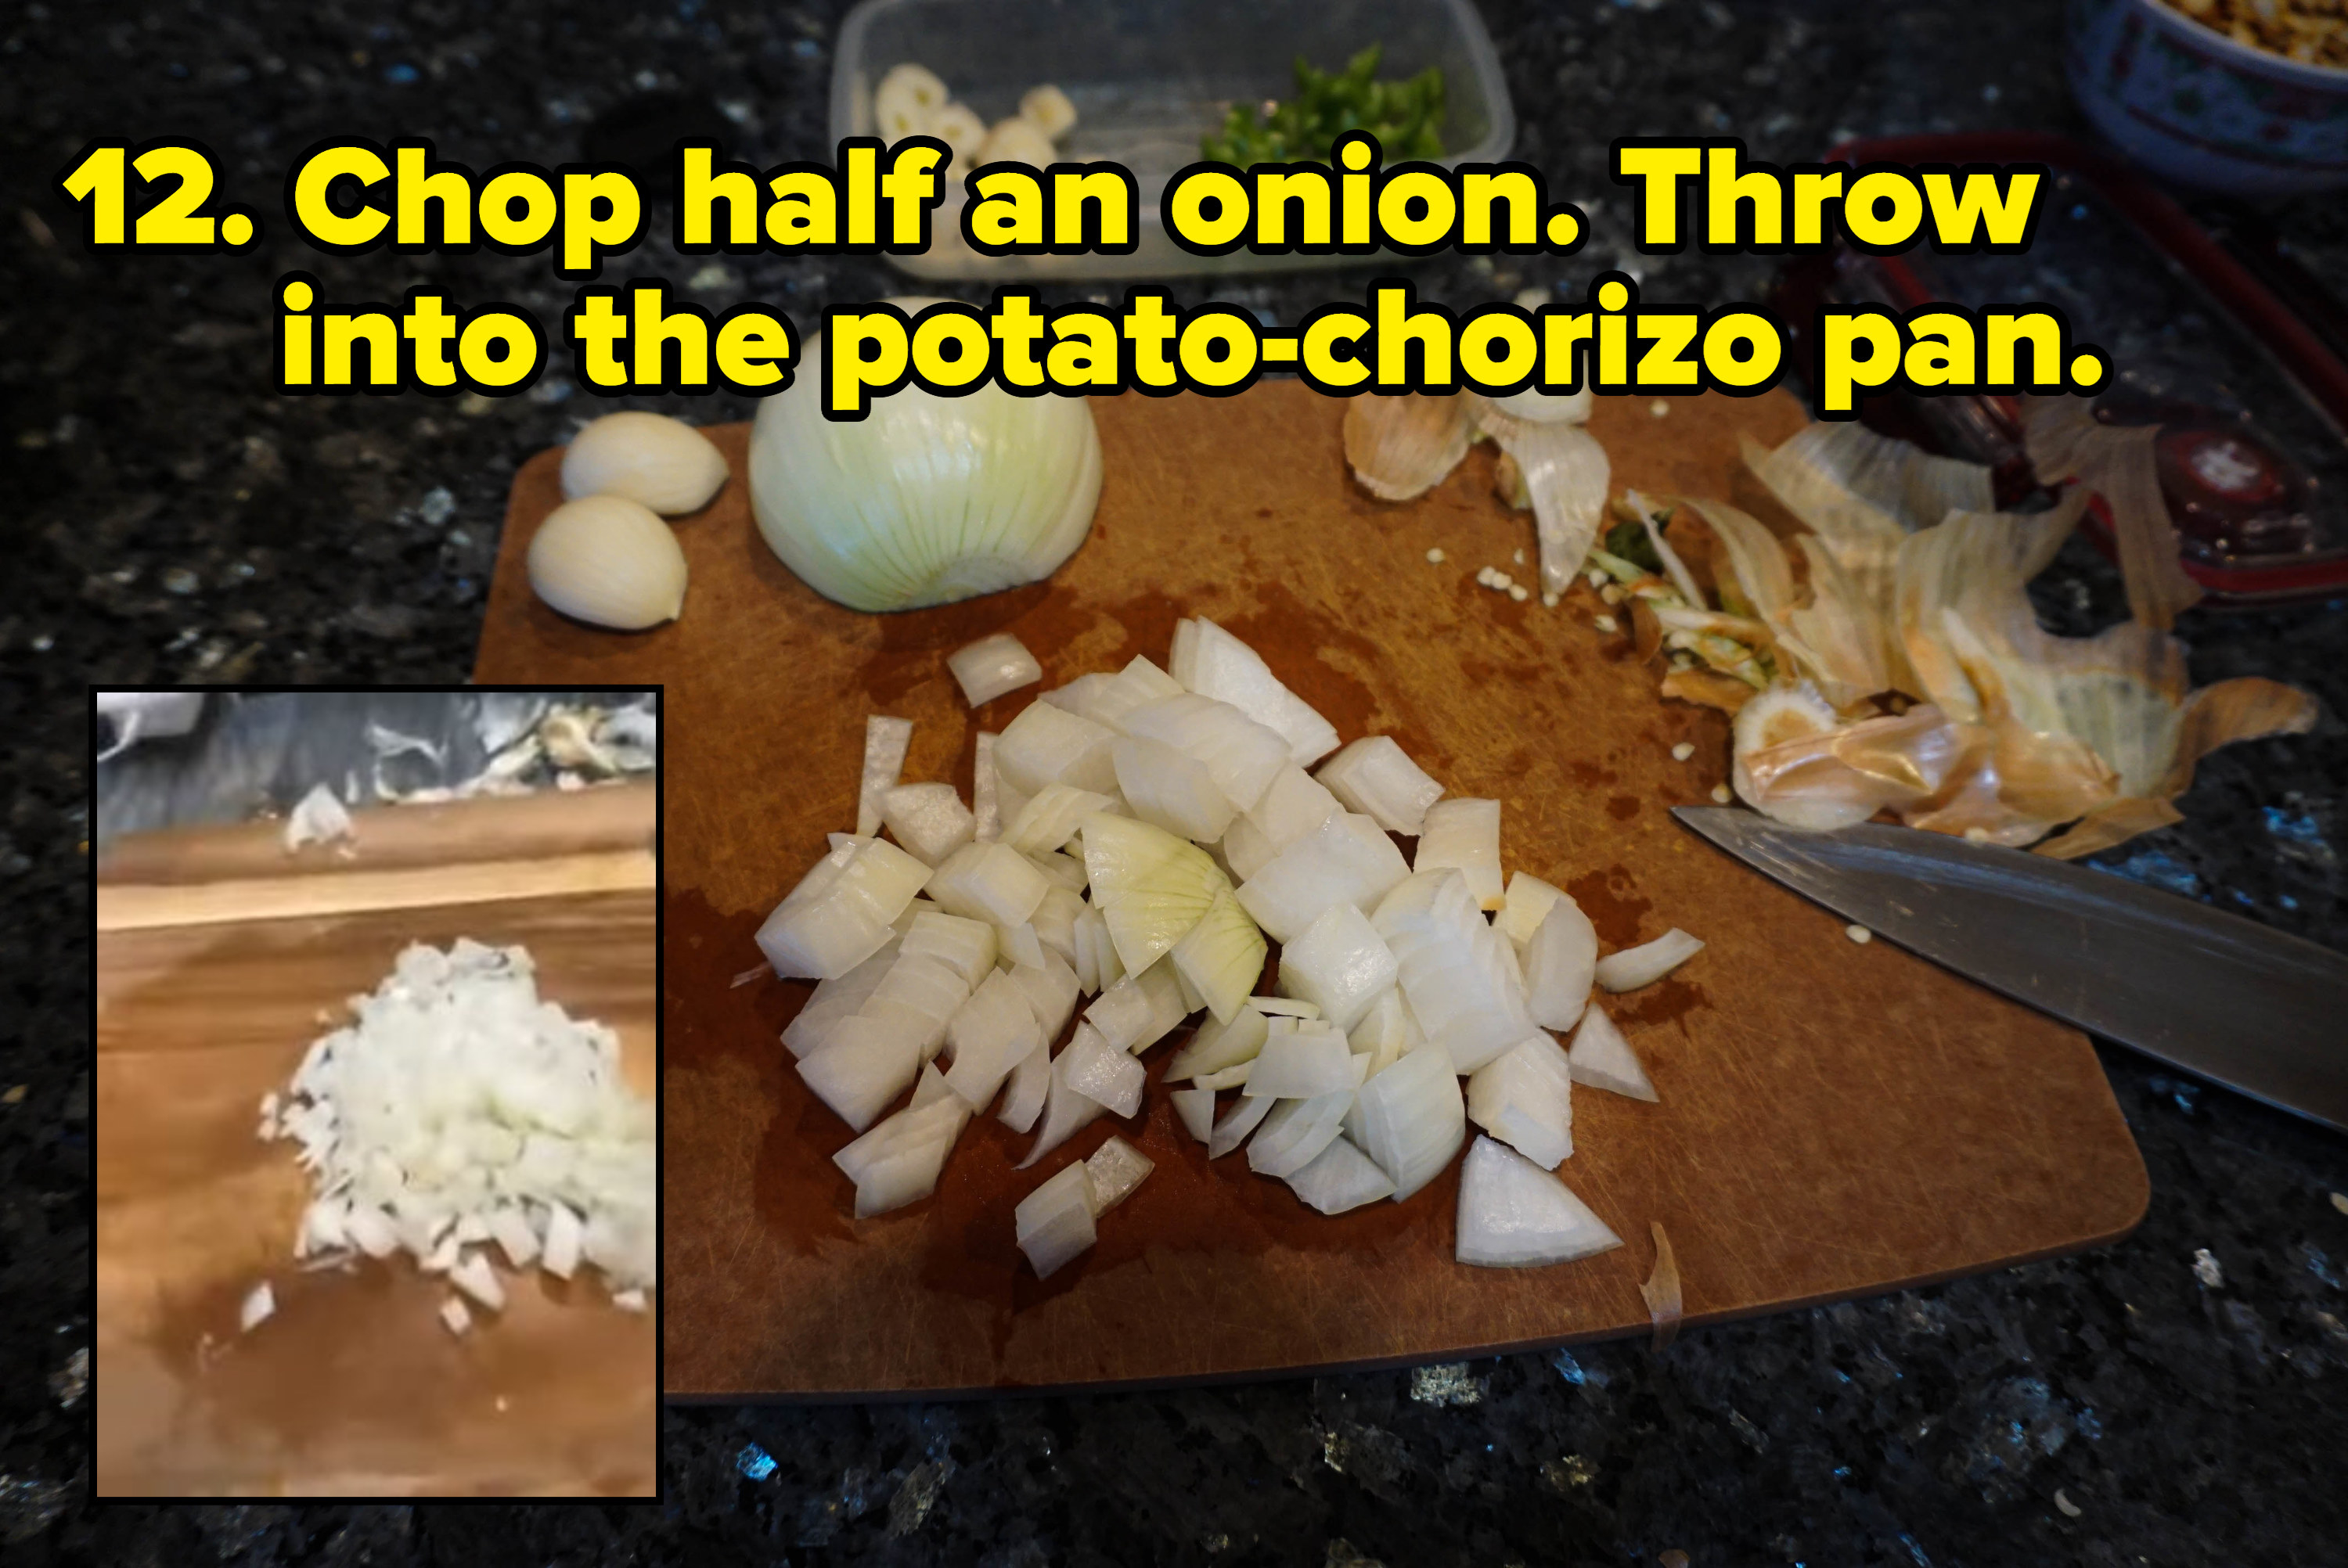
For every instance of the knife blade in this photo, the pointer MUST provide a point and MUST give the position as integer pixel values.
(2215, 994)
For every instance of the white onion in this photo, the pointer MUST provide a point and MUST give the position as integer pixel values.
(985, 801)
(1648, 962)
(1524, 907)
(1602, 1058)
(1214, 663)
(926, 499)
(1050, 988)
(1053, 1224)
(967, 947)
(1196, 1107)
(1340, 964)
(991, 666)
(1168, 1007)
(1300, 1063)
(834, 999)
(1456, 972)
(1245, 850)
(1169, 789)
(928, 819)
(1066, 1113)
(1051, 817)
(861, 1066)
(1294, 805)
(1088, 697)
(990, 1033)
(1056, 920)
(914, 1000)
(1386, 1029)
(1220, 1045)
(1559, 963)
(1464, 835)
(1151, 886)
(1221, 957)
(259, 1304)
(1285, 1007)
(1524, 1097)
(1346, 859)
(1228, 1077)
(1240, 755)
(842, 911)
(885, 743)
(1231, 1132)
(992, 882)
(1121, 1014)
(1098, 1069)
(1047, 744)
(1017, 946)
(1376, 777)
(1296, 1132)
(1410, 1119)
(1023, 1092)
(1340, 1177)
(1514, 1214)
(1115, 1169)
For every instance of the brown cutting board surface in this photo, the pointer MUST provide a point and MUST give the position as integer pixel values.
(1834, 1119)
(354, 1386)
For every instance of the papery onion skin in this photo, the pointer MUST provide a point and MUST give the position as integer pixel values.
(927, 499)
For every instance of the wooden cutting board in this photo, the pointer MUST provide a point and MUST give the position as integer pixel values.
(1835, 1119)
(217, 955)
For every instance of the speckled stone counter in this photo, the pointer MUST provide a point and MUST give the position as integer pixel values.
(2178, 1398)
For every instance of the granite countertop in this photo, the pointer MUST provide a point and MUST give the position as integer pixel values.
(2176, 1398)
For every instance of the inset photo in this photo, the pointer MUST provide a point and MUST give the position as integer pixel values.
(376, 1121)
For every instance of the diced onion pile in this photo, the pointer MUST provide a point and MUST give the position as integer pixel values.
(459, 1109)
(1140, 838)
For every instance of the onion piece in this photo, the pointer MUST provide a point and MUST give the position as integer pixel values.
(512, 1231)
(834, 999)
(1196, 1107)
(886, 741)
(1302, 1061)
(1114, 1170)
(1227, 1078)
(1050, 988)
(1056, 922)
(986, 803)
(1066, 1113)
(913, 1002)
(1169, 789)
(1375, 776)
(1045, 745)
(1346, 859)
(1648, 962)
(1242, 1119)
(260, 1304)
(1098, 1069)
(965, 946)
(1065, 871)
(990, 1033)
(1340, 964)
(1221, 957)
(1602, 1058)
(1661, 1289)
(1122, 1014)
(1294, 805)
(564, 1234)
(1458, 973)
(1088, 697)
(991, 882)
(1560, 962)
(860, 1068)
(1296, 1132)
(1051, 817)
(1053, 1224)
(1218, 665)
(1024, 1090)
(1240, 755)
(840, 913)
(1339, 1178)
(1514, 1214)
(1017, 946)
(1387, 1029)
(1524, 1097)
(1244, 850)
(1220, 1045)
(1523, 908)
(454, 1316)
(928, 819)
(1167, 1006)
(1285, 1007)
(1464, 835)
(1151, 886)
(1410, 1119)
(473, 1275)
(991, 666)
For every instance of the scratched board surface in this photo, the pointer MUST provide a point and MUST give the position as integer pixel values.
(1834, 1119)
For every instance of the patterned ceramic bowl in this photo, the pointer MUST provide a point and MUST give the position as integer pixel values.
(2189, 103)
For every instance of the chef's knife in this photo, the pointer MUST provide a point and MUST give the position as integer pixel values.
(2213, 993)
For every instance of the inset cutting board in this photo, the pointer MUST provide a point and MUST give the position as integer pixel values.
(1835, 1119)
(219, 958)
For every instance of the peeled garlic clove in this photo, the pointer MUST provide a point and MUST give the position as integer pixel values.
(905, 99)
(958, 127)
(608, 560)
(660, 463)
(1050, 110)
(1017, 140)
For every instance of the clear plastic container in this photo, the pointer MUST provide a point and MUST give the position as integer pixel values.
(1149, 80)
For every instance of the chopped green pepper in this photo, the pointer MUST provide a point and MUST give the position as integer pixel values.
(1406, 114)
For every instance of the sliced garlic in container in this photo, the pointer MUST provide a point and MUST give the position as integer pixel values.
(1602, 1058)
(958, 126)
(1648, 962)
(992, 666)
(662, 464)
(1017, 140)
(608, 561)
(1375, 776)
(1514, 1214)
(906, 100)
